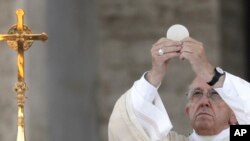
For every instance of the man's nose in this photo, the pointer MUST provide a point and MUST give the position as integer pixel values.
(204, 101)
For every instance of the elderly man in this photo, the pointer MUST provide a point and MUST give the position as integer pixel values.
(216, 99)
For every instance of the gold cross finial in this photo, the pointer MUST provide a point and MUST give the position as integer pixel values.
(20, 23)
(20, 38)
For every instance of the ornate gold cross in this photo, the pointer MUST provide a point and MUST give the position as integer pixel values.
(20, 38)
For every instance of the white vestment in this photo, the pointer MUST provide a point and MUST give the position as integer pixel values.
(139, 115)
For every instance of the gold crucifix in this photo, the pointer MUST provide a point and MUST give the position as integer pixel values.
(20, 38)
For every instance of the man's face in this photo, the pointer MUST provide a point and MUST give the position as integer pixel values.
(208, 113)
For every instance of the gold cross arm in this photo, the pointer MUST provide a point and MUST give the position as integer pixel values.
(24, 37)
(7, 37)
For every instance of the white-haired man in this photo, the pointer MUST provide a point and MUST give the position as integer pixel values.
(216, 99)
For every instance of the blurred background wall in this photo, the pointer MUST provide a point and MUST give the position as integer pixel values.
(97, 49)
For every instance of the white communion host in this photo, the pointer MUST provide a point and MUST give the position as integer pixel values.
(177, 32)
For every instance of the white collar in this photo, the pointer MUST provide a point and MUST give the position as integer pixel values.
(223, 134)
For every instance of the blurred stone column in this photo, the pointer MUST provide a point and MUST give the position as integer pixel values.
(71, 70)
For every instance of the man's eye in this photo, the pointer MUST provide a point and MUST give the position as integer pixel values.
(214, 93)
(197, 93)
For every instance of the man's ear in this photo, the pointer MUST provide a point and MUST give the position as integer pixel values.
(187, 110)
(233, 120)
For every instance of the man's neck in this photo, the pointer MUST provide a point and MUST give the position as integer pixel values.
(222, 135)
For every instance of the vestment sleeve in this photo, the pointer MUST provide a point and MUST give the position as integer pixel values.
(149, 109)
(236, 93)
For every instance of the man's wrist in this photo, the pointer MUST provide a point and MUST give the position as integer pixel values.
(153, 79)
(217, 75)
(220, 83)
(206, 73)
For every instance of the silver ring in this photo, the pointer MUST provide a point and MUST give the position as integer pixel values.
(161, 52)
